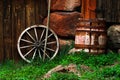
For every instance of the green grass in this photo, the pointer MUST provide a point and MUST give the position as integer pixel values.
(100, 67)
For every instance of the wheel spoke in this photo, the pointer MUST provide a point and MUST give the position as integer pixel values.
(45, 54)
(26, 41)
(36, 33)
(29, 51)
(50, 49)
(41, 35)
(34, 54)
(50, 42)
(30, 36)
(48, 37)
(26, 46)
(39, 54)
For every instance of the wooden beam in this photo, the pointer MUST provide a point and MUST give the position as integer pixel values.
(88, 9)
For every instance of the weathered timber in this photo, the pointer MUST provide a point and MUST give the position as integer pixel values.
(88, 9)
(1, 32)
(109, 10)
(18, 20)
(7, 29)
(15, 16)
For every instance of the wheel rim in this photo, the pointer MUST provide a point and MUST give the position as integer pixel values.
(31, 43)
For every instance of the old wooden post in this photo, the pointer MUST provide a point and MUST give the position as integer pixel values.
(88, 9)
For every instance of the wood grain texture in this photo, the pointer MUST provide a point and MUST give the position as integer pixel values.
(7, 28)
(1, 32)
(88, 9)
(15, 16)
(109, 10)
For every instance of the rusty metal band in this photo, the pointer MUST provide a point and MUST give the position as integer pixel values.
(80, 46)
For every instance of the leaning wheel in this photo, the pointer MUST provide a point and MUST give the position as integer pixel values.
(31, 43)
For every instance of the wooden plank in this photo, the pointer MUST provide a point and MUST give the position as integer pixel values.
(88, 9)
(13, 31)
(83, 8)
(37, 15)
(118, 13)
(1, 32)
(98, 9)
(25, 14)
(7, 28)
(40, 11)
(92, 8)
(14, 18)
(109, 9)
(30, 13)
(18, 24)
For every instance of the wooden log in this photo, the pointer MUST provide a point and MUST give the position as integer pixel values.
(71, 68)
(65, 5)
(64, 23)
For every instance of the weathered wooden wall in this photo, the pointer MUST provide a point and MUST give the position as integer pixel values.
(15, 16)
(109, 9)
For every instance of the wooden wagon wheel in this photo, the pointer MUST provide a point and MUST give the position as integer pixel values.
(31, 42)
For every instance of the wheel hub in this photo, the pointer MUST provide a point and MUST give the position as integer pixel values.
(37, 44)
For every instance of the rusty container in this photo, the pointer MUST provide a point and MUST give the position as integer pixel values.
(91, 36)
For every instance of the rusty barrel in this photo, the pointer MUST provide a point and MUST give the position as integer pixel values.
(91, 36)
